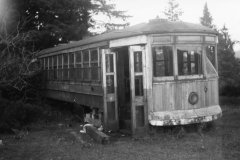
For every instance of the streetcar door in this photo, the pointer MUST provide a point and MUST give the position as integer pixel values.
(109, 78)
(138, 89)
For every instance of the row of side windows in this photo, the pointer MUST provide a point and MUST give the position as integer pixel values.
(79, 66)
(189, 60)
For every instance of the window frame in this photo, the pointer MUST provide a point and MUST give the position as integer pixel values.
(163, 78)
(98, 66)
(194, 76)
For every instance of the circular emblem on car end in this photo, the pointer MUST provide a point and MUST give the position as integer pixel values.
(193, 98)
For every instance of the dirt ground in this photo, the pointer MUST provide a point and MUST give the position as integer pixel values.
(55, 142)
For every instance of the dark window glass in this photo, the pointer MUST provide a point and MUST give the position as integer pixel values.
(65, 66)
(94, 55)
(109, 63)
(78, 65)
(78, 57)
(189, 61)
(138, 61)
(86, 67)
(86, 56)
(138, 85)
(55, 67)
(60, 64)
(50, 73)
(71, 66)
(110, 83)
(94, 66)
(162, 61)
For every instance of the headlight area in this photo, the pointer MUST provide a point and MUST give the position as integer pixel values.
(193, 98)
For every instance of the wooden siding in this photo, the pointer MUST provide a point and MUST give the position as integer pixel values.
(76, 88)
(83, 94)
(170, 96)
(82, 99)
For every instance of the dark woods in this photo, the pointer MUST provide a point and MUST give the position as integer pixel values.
(28, 26)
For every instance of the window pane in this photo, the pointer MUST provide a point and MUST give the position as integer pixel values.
(78, 57)
(138, 85)
(71, 60)
(110, 83)
(50, 63)
(210, 39)
(162, 61)
(109, 63)
(45, 63)
(85, 56)
(138, 61)
(65, 59)
(210, 52)
(160, 68)
(189, 60)
(65, 66)
(59, 75)
(50, 68)
(55, 67)
(60, 61)
(94, 55)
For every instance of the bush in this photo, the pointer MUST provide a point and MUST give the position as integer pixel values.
(17, 114)
(232, 91)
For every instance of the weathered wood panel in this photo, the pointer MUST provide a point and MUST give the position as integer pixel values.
(76, 88)
(169, 96)
(82, 99)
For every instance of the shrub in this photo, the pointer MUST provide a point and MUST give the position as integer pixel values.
(17, 114)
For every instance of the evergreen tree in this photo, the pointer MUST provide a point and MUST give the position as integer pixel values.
(173, 12)
(229, 68)
(27, 26)
(206, 19)
(61, 21)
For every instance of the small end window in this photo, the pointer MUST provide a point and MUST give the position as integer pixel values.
(162, 61)
(210, 52)
(189, 61)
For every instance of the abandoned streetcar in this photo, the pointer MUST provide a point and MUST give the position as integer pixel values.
(158, 73)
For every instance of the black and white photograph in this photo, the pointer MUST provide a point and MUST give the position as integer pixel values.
(119, 80)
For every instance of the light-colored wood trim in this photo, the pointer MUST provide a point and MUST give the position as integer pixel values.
(115, 86)
(132, 89)
(204, 67)
(138, 100)
(149, 76)
(128, 41)
(144, 85)
(175, 61)
(190, 77)
(104, 86)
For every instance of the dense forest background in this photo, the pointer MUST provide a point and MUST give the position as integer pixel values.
(28, 26)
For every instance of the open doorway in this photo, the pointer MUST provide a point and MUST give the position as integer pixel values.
(123, 83)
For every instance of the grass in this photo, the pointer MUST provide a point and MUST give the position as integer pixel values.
(54, 142)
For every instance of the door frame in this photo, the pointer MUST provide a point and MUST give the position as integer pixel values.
(109, 124)
(138, 101)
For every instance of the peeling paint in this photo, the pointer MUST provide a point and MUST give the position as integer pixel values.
(184, 117)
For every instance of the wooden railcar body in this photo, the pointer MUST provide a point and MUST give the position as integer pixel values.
(158, 73)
